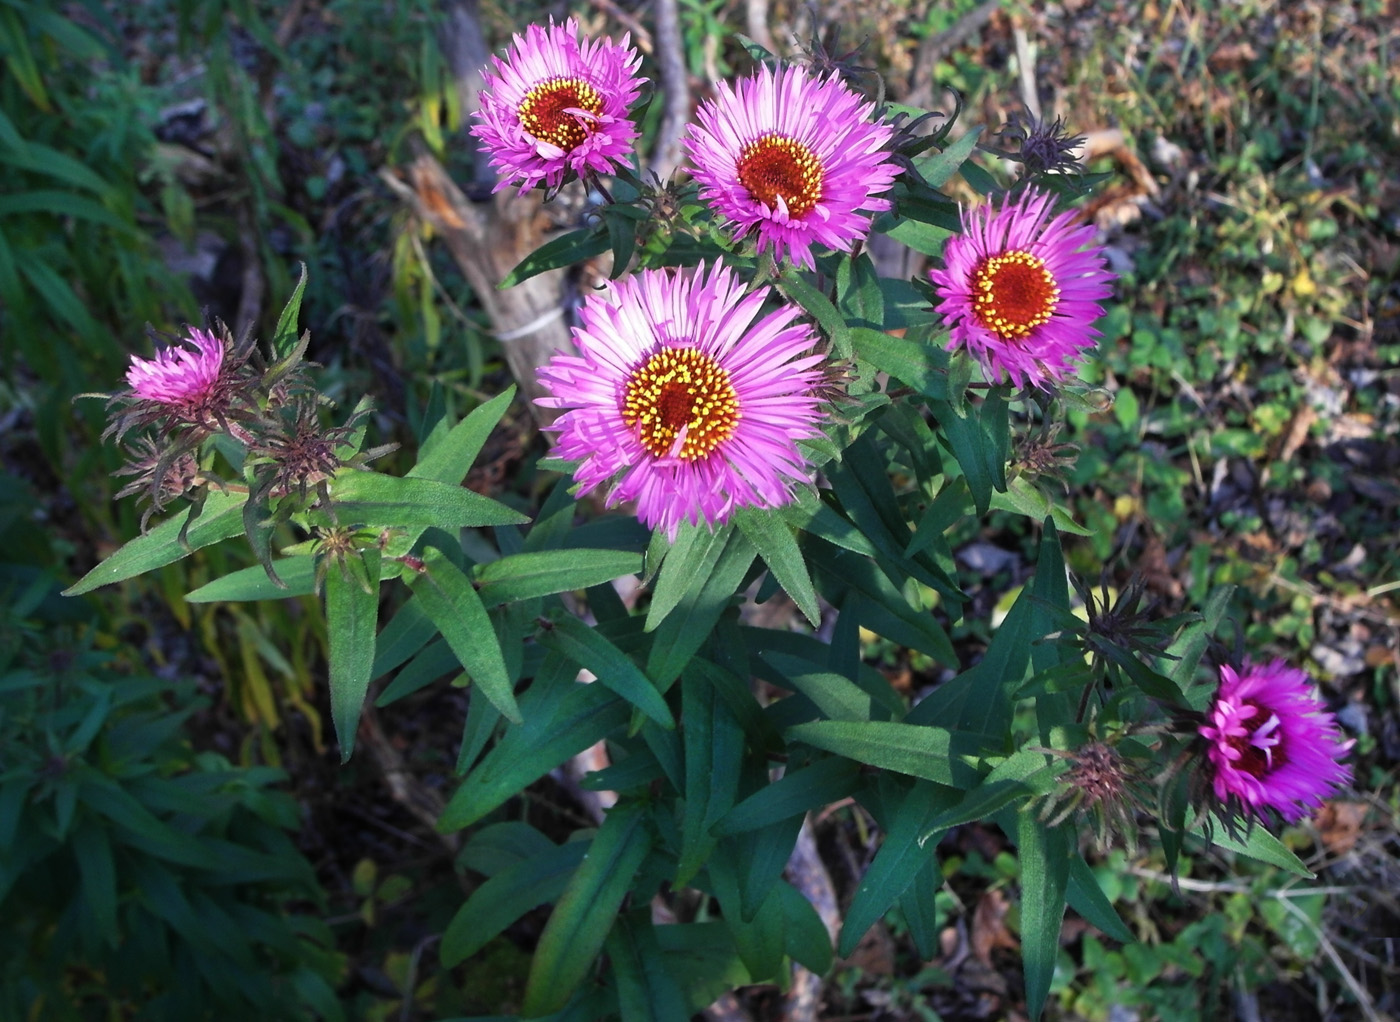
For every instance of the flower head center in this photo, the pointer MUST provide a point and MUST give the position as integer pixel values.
(681, 403)
(1260, 748)
(1013, 293)
(558, 111)
(775, 168)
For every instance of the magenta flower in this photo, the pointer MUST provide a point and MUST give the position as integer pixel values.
(179, 377)
(796, 158)
(1273, 746)
(1021, 290)
(687, 396)
(556, 105)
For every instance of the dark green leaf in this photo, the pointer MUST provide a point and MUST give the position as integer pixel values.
(685, 567)
(819, 307)
(566, 250)
(1257, 843)
(380, 501)
(646, 991)
(540, 573)
(352, 618)
(1044, 855)
(775, 543)
(911, 360)
(714, 750)
(685, 630)
(507, 896)
(795, 793)
(560, 721)
(284, 337)
(249, 584)
(448, 598)
(221, 518)
(1087, 898)
(585, 913)
(588, 648)
(805, 937)
(929, 752)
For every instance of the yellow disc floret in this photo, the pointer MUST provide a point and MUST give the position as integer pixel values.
(775, 166)
(1013, 293)
(681, 403)
(544, 112)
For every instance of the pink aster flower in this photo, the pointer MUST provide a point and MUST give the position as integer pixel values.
(179, 376)
(1021, 290)
(796, 158)
(1273, 745)
(686, 396)
(556, 105)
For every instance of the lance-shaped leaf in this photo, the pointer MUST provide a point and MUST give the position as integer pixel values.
(284, 336)
(381, 501)
(686, 628)
(586, 912)
(900, 857)
(933, 753)
(588, 648)
(795, 793)
(298, 574)
(980, 440)
(560, 723)
(819, 307)
(566, 250)
(508, 895)
(1252, 840)
(448, 598)
(646, 991)
(527, 575)
(911, 360)
(352, 616)
(775, 543)
(714, 751)
(222, 517)
(685, 566)
(1044, 856)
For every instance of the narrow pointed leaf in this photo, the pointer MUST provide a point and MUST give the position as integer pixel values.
(1044, 855)
(588, 648)
(585, 913)
(540, 573)
(775, 543)
(380, 501)
(352, 618)
(448, 598)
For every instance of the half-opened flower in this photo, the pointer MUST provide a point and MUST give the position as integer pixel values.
(794, 157)
(686, 397)
(1020, 289)
(1272, 743)
(179, 376)
(557, 105)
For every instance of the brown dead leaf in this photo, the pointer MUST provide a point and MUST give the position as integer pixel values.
(1339, 825)
(989, 930)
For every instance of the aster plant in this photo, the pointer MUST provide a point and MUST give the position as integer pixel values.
(765, 416)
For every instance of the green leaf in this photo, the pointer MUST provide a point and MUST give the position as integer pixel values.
(447, 454)
(819, 307)
(566, 250)
(585, 913)
(775, 543)
(448, 598)
(685, 567)
(1088, 899)
(588, 648)
(284, 337)
(760, 939)
(249, 584)
(858, 294)
(222, 518)
(933, 753)
(93, 850)
(646, 991)
(937, 169)
(560, 721)
(979, 439)
(1190, 646)
(1044, 855)
(352, 617)
(901, 855)
(540, 573)
(714, 751)
(836, 696)
(62, 204)
(919, 903)
(805, 937)
(810, 787)
(1024, 498)
(374, 500)
(687, 627)
(911, 360)
(1258, 844)
(507, 896)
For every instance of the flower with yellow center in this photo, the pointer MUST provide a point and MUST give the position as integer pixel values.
(557, 107)
(1020, 289)
(797, 160)
(686, 397)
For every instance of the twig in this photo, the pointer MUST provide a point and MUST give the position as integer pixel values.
(675, 86)
(1362, 995)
